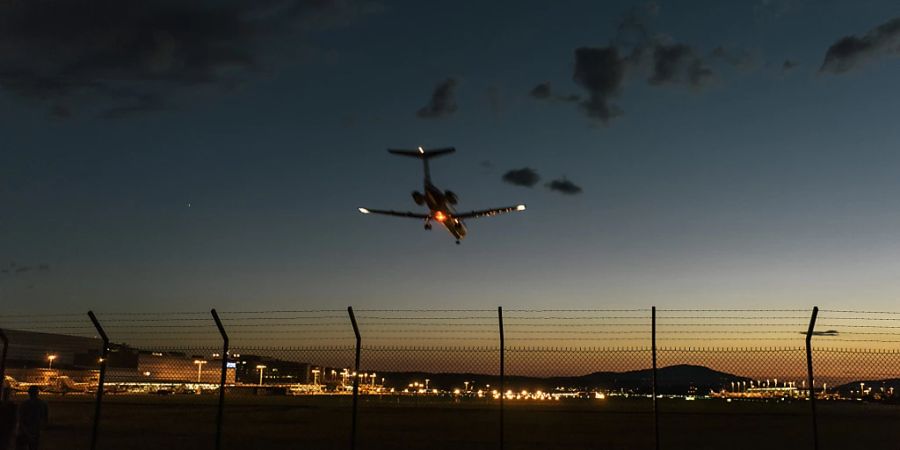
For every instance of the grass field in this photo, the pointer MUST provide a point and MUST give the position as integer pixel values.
(323, 422)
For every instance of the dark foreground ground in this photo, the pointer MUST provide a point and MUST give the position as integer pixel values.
(271, 423)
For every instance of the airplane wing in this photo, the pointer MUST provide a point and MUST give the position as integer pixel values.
(489, 212)
(393, 213)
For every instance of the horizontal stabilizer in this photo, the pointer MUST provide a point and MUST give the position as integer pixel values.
(422, 153)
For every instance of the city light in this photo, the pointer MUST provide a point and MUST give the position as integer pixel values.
(261, 368)
(199, 363)
(50, 358)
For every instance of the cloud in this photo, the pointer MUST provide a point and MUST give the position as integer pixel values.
(564, 186)
(676, 63)
(543, 91)
(525, 176)
(854, 51)
(443, 101)
(824, 333)
(739, 58)
(123, 57)
(600, 71)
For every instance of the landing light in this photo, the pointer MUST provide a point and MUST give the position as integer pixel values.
(440, 216)
(520, 208)
(421, 150)
(364, 210)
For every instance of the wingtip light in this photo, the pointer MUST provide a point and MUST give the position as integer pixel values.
(520, 208)
(364, 210)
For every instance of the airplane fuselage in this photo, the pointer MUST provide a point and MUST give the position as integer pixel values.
(441, 211)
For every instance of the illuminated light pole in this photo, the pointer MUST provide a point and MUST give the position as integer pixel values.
(260, 368)
(199, 363)
(50, 358)
(373, 379)
(426, 384)
(315, 373)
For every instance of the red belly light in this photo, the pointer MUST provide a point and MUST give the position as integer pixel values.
(440, 216)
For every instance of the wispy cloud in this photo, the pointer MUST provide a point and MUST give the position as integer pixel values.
(443, 101)
(854, 51)
(125, 57)
(525, 176)
(564, 186)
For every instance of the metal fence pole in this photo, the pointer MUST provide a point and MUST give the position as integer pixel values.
(222, 378)
(103, 357)
(3, 365)
(809, 370)
(355, 378)
(502, 373)
(655, 406)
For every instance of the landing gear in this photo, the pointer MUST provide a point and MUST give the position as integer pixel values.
(457, 242)
(427, 226)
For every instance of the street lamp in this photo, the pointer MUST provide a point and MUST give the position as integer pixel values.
(199, 363)
(315, 373)
(373, 379)
(260, 368)
(50, 358)
(426, 384)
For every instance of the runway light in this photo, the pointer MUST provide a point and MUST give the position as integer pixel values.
(520, 208)
(364, 210)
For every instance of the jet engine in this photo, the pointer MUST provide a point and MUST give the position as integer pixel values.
(451, 197)
(418, 198)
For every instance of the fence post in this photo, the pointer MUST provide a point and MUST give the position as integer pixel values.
(809, 371)
(104, 354)
(355, 378)
(502, 373)
(655, 406)
(222, 378)
(3, 365)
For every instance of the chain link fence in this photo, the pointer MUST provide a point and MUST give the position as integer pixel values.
(433, 378)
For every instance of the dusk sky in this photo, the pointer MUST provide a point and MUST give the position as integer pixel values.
(171, 155)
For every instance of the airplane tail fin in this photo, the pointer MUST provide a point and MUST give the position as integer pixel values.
(424, 155)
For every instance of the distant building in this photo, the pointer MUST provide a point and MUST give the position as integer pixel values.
(276, 371)
(29, 349)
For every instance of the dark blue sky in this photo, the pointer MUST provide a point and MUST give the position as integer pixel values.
(759, 183)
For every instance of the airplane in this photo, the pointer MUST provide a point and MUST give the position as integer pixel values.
(65, 385)
(19, 386)
(439, 203)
